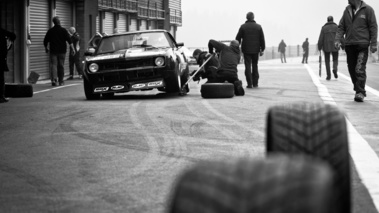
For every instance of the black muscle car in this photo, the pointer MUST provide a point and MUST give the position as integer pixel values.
(134, 61)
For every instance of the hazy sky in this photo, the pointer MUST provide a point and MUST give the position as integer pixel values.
(291, 20)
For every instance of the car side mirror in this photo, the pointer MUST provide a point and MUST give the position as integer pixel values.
(90, 51)
(181, 44)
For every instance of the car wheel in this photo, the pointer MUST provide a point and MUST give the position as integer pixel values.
(217, 90)
(88, 91)
(317, 130)
(108, 95)
(18, 90)
(277, 184)
(173, 83)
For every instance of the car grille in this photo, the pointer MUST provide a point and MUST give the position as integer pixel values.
(125, 65)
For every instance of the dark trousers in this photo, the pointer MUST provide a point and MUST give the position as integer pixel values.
(283, 56)
(327, 62)
(2, 84)
(357, 56)
(75, 60)
(57, 66)
(220, 76)
(251, 68)
(305, 57)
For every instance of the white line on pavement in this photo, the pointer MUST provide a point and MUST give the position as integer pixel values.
(369, 89)
(60, 87)
(364, 157)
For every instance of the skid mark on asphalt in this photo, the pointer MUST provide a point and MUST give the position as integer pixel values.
(363, 155)
(55, 88)
(46, 193)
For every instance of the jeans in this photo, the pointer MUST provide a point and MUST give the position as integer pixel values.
(327, 63)
(251, 68)
(75, 60)
(57, 66)
(357, 56)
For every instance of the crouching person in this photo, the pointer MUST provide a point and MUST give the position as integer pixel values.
(210, 68)
(229, 57)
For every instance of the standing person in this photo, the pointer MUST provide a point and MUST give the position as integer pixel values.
(282, 50)
(358, 25)
(74, 57)
(305, 47)
(326, 43)
(252, 40)
(4, 35)
(55, 44)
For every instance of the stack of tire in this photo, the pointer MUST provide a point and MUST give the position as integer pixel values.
(18, 90)
(307, 169)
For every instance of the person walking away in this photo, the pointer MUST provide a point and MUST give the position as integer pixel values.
(229, 57)
(5, 38)
(74, 58)
(305, 47)
(251, 37)
(282, 51)
(55, 44)
(326, 44)
(359, 27)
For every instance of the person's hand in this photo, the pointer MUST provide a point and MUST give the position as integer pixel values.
(373, 49)
(337, 44)
(261, 53)
(46, 50)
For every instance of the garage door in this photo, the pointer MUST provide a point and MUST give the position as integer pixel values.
(143, 25)
(64, 11)
(98, 23)
(133, 25)
(153, 25)
(122, 23)
(109, 23)
(39, 25)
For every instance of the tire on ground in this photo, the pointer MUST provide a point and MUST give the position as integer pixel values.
(108, 95)
(18, 90)
(88, 91)
(217, 90)
(280, 184)
(317, 130)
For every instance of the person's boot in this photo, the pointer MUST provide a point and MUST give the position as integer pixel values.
(238, 89)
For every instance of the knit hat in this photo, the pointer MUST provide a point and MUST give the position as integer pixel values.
(196, 52)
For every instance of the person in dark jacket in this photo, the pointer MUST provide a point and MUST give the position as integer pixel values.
(251, 37)
(282, 51)
(358, 25)
(326, 43)
(55, 44)
(223, 68)
(74, 58)
(5, 38)
(305, 47)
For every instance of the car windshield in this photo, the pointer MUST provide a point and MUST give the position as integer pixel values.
(146, 39)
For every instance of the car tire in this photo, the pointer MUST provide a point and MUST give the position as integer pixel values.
(88, 91)
(317, 130)
(108, 95)
(18, 90)
(217, 90)
(279, 184)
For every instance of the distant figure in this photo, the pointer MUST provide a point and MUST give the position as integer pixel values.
(74, 57)
(326, 43)
(305, 47)
(5, 38)
(55, 44)
(282, 50)
(252, 40)
(360, 35)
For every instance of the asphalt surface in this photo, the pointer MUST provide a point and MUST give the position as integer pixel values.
(62, 153)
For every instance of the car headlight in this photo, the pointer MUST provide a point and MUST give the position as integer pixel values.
(93, 67)
(159, 61)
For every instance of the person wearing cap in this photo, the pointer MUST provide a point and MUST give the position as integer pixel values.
(55, 44)
(222, 68)
(326, 43)
(251, 37)
(74, 58)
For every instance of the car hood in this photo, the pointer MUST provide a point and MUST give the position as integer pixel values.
(130, 53)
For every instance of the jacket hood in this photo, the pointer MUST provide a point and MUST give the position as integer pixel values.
(250, 21)
(349, 8)
(330, 23)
